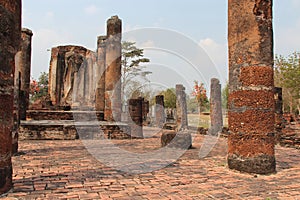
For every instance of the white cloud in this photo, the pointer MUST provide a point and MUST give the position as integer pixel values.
(91, 10)
(148, 44)
(217, 52)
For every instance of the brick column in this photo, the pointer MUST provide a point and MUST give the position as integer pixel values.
(24, 66)
(181, 108)
(251, 86)
(136, 116)
(113, 107)
(159, 111)
(10, 34)
(216, 118)
(100, 90)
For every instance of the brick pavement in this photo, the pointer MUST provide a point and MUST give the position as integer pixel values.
(65, 170)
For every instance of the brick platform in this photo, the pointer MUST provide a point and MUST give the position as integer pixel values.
(71, 130)
(65, 170)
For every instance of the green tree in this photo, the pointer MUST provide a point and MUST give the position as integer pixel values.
(134, 73)
(169, 97)
(39, 88)
(287, 73)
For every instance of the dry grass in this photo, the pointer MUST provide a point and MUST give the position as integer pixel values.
(202, 121)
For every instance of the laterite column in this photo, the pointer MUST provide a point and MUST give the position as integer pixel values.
(24, 66)
(216, 117)
(100, 90)
(160, 118)
(113, 108)
(10, 34)
(251, 87)
(136, 117)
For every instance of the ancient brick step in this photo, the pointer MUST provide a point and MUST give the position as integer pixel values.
(71, 130)
(64, 115)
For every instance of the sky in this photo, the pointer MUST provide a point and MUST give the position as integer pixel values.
(185, 40)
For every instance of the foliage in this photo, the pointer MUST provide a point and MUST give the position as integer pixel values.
(199, 93)
(287, 76)
(133, 70)
(39, 88)
(169, 97)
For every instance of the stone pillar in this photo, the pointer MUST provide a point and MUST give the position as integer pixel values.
(24, 66)
(216, 118)
(279, 121)
(181, 108)
(22, 84)
(145, 109)
(100, 90)
(113, 102)
(17, 85)
(10, 34)
(159, 111)
(251, 86)
(136, 117)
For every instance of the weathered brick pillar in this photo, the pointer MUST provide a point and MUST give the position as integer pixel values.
(251, 86)
(159, 111)
(113, 107)
(10, 34)
(145, 109)
(181, 108)
(22, 84)
(100, 90)
(279, 121)
(136, 116)
(24, 66)
(16, 113)
(216, 118)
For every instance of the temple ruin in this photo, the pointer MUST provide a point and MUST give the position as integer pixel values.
(72, 77)
(251, 87)
(87, 85)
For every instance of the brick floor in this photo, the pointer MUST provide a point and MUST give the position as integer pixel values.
(66, 170)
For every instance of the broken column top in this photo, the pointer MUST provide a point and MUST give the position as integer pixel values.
(67, 48)
(27, 31)
(101, 40)
(114, 26)
(180, 87)
(214, 81)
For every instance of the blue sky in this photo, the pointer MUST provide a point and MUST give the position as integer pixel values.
(57, 22)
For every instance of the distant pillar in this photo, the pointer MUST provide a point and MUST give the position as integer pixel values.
(10, 34)
(181, 108)
(251, 87)
(136, 116)
(22, 84)
(145, 109)
(100, 90)
(216, 117)
(279, 121)
(113, 107)
(17, 85)
(159, 111)
(24, 66)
